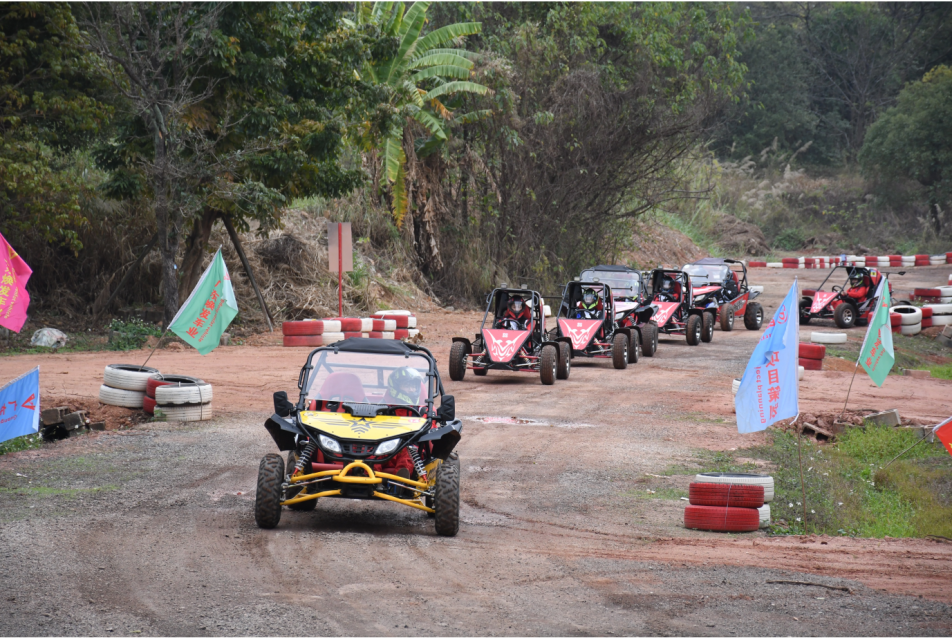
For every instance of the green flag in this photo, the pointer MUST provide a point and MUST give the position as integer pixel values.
(208, 310)
(876, 356)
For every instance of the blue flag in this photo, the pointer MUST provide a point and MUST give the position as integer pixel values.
(20, 406)
(769, 390)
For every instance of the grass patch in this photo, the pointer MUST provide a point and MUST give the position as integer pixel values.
(941, 372)
(660, 493)
(28, 442)
(46, 492)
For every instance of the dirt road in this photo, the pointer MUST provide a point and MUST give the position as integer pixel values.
(150, 530)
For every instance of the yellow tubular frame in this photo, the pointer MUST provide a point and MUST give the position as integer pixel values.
(342, 476)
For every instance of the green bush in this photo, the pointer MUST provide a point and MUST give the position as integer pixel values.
(28, 442)
(131, 335)
(789, 239)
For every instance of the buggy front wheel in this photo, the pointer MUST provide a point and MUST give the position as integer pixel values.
(268, 494)
(458, 361)
(565, 361)
(649, 339)
(634, 347)
(845, 315)
(446, 499)
(754, 316)
(548, 365)
(620, 351)
(707, 327)
(727, 319)
(693, 330)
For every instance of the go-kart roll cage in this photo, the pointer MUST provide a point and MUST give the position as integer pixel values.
(536, 309)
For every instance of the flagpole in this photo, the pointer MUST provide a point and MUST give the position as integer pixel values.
(883, 287)
(156, 345)
(848, 390)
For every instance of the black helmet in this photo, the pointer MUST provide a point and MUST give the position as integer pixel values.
(589, 297)
(516, 303)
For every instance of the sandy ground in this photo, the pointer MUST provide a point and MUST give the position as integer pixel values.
(150, 529)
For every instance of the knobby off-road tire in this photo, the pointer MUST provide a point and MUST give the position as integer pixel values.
(446, 499)
(727, 319)
(565, 361)
(634, 347)
(845, 315)
(693, 330)
(649, 339)
(707, 327)
(620, 351)
(306, 506)
(754, 316)
(453, 459)
(805, 317)
(268, 495)
(548, 365)
(458, 361)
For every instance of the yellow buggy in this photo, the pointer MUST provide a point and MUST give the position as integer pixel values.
(366, 426)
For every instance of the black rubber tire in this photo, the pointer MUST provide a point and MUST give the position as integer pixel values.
(268, 495)
(306, 506)
(634, 347)
(804, 313)
(458, 361)
(845, 315)
(453, 459)
(446, 499)
(754, 316)
(693, 330)
(565, 361)
(707, 327)
(480, 372)
(620, 351)
(548, 365)
(727, 319)
(649, 339)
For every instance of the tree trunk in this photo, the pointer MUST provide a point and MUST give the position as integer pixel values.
(195, 246)
(168, 233)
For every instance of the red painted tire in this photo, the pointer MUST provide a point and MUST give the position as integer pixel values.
(301, 328)
(927, 322)
(758, 264)
(726, 495)
(791, 265)
(376, 334)
(722, 519)
(401, 334)
(812, 351)
(168, 379)
(790, 260)
(927, 292)
(303, 340)
(353, 335)
(811, 364)
(926, 312)
(895, 319)
(897, 329)
(148, 405)
(348, 324)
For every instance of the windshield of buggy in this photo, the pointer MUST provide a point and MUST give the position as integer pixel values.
(709, 274)
(623, 284)
(360, 377)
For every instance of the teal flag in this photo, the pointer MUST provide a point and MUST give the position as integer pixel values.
(208, 310)
(877, 356)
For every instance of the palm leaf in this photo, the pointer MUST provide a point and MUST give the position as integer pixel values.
(413, 93)
(469, 55)
(432, 124)
(393, 156)
(472, 116)
(396, 17)
(418, 10)
(447, 33)
(441, 59)
(407, 44)
(456, 87)
(441, 71)
(400, 203)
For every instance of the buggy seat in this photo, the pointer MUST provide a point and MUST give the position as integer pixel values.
(339, 386)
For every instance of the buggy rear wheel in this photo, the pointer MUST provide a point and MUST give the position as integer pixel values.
(649, 339)
(565, 361)
(634, 346)
(754, 316)
(306, 506)
(805, 317)
(845, 315)
(707, 327)
(548, 364)
(458, 361)
(693, 330)
(268, 494)
(446, 499)
(727, 319)
(620, 351)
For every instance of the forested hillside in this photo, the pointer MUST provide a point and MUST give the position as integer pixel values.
(467, 142)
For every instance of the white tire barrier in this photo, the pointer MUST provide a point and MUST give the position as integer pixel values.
(127, 377)
(800, 373)
(763, 480)
(184, 412)
(910, 314)
(183, 394)
(774, 264)
(120, 397)
(764, 512)
(939, 308)
(910, 330)
(735, 386)
(828, 337)
(942, 320)
(759, 289)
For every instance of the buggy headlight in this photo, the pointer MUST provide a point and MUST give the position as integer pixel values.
(329, 444)
(387, 446)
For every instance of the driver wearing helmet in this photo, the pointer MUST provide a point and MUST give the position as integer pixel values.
(670, 289)
(858, 287)
(590, 307)
(404, 386)
(516, 316)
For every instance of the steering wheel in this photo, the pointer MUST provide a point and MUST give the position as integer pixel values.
(837, 289)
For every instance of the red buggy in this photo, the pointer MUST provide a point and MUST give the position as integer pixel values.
(716, 283)
(672, 295)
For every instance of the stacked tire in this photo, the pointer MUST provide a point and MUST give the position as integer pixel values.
(312, 333)
(387, 324)
(941, 313)
(405, 322)
(811, 355)
(180, 398)
(910, 319)
(723, 502)
(125, 385)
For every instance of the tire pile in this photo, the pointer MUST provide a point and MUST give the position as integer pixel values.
(386, 324)
(723, 502)
(883, 261)
(937, 295)
(175, 397)
(811, 355)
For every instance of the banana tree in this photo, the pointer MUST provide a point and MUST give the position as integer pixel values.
(422, 75)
